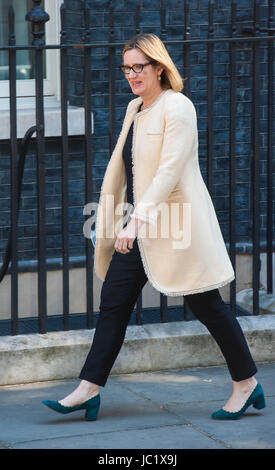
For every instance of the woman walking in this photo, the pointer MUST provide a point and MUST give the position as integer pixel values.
(155, 168)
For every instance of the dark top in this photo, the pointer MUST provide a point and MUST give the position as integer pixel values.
(127, 158)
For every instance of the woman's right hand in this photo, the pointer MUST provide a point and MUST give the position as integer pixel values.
(126, 237)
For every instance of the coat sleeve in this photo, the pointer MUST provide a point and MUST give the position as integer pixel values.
(179, 135)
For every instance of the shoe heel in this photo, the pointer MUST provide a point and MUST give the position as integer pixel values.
(91, 413)
(259, 402)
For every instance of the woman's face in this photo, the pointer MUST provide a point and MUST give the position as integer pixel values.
(145, 82)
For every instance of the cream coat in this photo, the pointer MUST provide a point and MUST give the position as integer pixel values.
(182, 252)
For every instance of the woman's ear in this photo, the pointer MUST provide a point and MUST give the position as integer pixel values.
(160, 70)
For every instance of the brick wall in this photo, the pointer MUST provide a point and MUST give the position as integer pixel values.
(27, 222)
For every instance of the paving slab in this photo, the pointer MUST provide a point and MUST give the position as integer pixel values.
(251, 431)
(22, 413)
(168, 409)
(168, 437)
(191, 384)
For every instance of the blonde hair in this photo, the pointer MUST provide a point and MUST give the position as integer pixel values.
(155, 51)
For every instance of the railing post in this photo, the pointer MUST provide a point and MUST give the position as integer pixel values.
(14, 176)
(38, 17)
(88, 160)
(65, 159)
(270, 94)
(232, 155)
(112, 57)
(186, 50)
(255, 183)
(210, 98)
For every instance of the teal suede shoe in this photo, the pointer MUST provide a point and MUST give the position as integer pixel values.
(91, 406)
(256, 399)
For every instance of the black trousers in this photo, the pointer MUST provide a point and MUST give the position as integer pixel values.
(124, 281)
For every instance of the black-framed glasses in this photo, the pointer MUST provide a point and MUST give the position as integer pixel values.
(137, 68)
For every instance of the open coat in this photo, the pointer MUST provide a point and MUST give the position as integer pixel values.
(181, 244)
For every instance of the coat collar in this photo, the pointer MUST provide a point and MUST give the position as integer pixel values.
(132, 115)
(138, 102)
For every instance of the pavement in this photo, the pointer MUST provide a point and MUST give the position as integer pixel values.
(168, 409)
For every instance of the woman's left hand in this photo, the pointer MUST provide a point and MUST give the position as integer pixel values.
(126, 237)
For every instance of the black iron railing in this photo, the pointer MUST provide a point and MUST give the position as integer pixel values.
(37, 17)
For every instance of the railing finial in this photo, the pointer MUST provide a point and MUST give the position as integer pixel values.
(38, 17)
